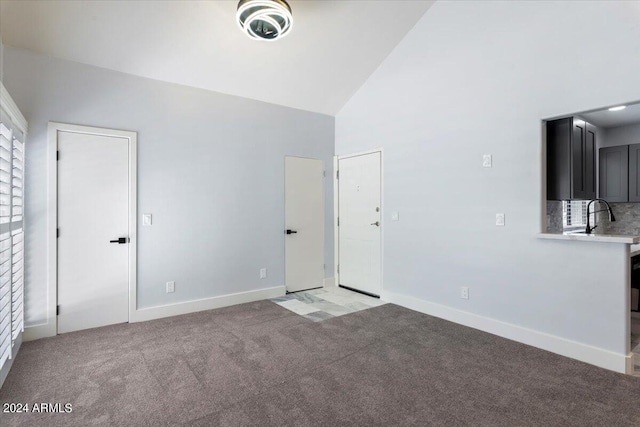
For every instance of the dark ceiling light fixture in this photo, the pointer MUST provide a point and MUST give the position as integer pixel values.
(267, 20)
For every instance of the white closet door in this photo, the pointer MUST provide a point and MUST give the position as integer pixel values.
(93, 210)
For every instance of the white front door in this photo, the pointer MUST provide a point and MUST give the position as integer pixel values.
(93, 210)
(360, 216)
(304, 223)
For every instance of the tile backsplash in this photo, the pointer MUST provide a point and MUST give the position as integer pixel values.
(554, 216)
(627, 218)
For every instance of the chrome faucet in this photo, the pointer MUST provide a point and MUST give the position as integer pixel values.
(612, 218)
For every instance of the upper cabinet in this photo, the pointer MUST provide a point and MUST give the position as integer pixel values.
(634, 173)
(614, 173)
(571, 159)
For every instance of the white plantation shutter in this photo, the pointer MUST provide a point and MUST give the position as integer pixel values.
(5, 297)
(17, 179)
(17, 237)
(11, 235)
(5, 172)
(17, 281)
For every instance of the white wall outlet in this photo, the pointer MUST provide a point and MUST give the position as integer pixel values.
(486, 160)
(464, 292)
(146, 220)
(500, 219)
(263, 273)
(171, 287)
(395, 216)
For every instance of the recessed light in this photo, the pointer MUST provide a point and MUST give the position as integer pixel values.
(621, 107)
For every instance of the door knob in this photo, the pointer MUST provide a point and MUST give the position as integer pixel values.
(377, 223)
(120, 240)
(291, 232)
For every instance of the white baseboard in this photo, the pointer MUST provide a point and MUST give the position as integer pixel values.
(564, 347)
(141, 315)
(49, 329)
(329, 282)
(36, 332)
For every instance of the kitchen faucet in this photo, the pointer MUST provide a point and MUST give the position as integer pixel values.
(612, 218)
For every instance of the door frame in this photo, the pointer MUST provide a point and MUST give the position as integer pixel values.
(52, 214)
(336, 213)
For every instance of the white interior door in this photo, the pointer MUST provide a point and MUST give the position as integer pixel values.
(304, 222)
(93, 189)
(359, 197)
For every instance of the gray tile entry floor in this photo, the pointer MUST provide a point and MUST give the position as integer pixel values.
(635, 342)
(326, 303)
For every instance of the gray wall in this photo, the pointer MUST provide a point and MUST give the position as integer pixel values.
(622, 135)
(210, 170)
(479, 77)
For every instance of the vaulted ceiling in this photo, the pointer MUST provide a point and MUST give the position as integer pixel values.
(331, 51)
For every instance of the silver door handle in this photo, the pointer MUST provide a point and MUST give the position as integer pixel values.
(377, 223)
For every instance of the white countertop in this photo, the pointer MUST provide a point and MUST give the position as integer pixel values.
(634, 250)
(602, 238)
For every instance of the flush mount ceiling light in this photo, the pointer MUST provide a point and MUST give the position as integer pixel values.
(267, 20)
(621, 107)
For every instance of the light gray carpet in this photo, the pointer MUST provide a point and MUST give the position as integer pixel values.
(260, 364)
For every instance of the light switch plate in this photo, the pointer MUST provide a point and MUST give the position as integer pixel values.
(395, 216)
(171, 287)
(146, 220)
(500, 219)
(486, 161)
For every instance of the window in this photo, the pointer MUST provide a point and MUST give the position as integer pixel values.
(574, 215)
(11, 235)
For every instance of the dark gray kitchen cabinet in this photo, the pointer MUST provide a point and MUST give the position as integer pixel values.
(614, 173)
(634, 173)
(571, 157)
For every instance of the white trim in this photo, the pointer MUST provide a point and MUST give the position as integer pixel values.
(336, 212)
(329, 282)
(51, 326)
(630, 368)
(35, 332)
(144, 314)
(336, 230)
(596, 356)
(10, 107)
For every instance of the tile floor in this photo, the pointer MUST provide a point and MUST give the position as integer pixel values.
(326, 303)
(635, 341)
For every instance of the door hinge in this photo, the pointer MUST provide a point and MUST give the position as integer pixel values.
(57, 232)
(58, 155)
(338, 221)
(57, 310)
(324, 266)
(337, 174)
(338, 268)
(324, 173)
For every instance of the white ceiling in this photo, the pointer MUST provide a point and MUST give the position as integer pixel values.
(609, 119)
(333, 48)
